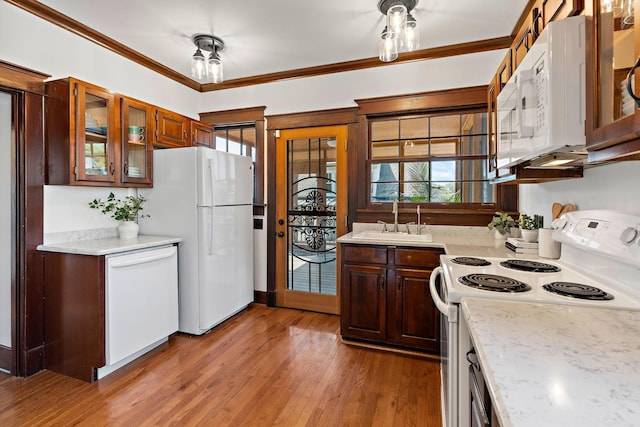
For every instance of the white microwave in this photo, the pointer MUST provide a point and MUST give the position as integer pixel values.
(542, 108)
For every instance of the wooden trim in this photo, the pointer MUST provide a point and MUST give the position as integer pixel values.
(17, 77)
(53, 16)
(449, 99)
(6, 357)
(48, 14)
(361, 64)
(260, 297)
(233, 116)
(526, 14)
(339, 116)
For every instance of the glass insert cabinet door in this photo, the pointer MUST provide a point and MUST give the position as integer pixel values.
(136, 144)
(617, 53)
(94, 135)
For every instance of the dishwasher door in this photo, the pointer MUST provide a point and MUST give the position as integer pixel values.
(141, 300)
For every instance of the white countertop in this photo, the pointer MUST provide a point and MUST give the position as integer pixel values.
(558, 365)
(456, 240)
(108, 246)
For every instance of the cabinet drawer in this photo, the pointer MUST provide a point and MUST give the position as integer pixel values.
(422, 258)
(364, 254)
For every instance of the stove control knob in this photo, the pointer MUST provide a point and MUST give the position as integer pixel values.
(629, 235)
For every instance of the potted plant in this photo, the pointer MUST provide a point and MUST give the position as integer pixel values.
(501, 223)
(528, 227)
(127, 211)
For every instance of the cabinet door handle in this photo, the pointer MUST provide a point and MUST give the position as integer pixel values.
(399, 283)
(112, 168)
(629, 80)
(382, 283)
(126, 168)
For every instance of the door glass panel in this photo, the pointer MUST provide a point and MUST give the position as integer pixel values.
(136, 144)
(96, 132)
(311, 188)
(616, 57)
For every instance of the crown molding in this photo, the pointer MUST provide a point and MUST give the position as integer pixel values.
(53, 16)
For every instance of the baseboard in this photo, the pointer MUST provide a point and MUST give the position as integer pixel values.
(33, 361)
(6, 359)
(406, 352)
(260, 297)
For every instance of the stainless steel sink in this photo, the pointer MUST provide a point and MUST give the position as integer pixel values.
(389, 236)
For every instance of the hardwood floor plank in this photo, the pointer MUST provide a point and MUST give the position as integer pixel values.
(263, 367)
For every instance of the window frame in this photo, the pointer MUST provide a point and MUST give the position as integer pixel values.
(401, 159)
(430, 103)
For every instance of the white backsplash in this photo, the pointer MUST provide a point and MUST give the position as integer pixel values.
(613, 186)
(68, 217)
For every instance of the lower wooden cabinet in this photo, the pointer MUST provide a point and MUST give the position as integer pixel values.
(385, 295)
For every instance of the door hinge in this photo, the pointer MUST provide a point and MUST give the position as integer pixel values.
(75, 91)
(346, 145)
(346, 221)
(75, 170)
(276, 133)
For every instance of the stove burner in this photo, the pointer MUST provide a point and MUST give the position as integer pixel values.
(577, 290)
(491, 282)
(530, 266)
(476, 262)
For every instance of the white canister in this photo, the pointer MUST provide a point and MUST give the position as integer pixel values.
(547, 247)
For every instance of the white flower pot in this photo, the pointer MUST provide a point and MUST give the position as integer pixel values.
(530, 235)
(128, 230)
(499, 236)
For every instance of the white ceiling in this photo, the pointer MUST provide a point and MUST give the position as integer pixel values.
(266, 36)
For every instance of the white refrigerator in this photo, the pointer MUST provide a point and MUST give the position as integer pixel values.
(205, 196)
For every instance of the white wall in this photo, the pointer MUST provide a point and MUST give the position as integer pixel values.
(341, 89)
(5, 220)
(66, 208)
(31, 42)
(613, 186)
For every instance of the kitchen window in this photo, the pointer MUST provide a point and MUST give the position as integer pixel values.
(429, 158)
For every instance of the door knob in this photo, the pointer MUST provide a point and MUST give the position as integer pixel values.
(281, 221)
(280, 234)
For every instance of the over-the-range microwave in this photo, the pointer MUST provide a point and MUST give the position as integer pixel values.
(542, 108)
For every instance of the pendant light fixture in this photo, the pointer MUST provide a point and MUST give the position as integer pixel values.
(209, 70)
(401, 32)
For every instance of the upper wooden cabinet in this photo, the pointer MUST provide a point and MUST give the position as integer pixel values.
(613, 119)
(201, 134)
(172, 129)
(137, 141)
(87, 137)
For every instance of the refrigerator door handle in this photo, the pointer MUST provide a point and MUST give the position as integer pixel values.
(210, 230)
(212, 180)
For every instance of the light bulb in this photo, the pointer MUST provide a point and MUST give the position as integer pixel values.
(388, 50)
(198, 70)
(397, 18)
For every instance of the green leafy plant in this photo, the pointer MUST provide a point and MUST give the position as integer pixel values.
(501, 222)
(120, 210)
(527, 223)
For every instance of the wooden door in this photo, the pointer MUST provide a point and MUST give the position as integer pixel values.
(96, 135)
(201, 134)
(137, 142)
(413, 321)
(171, 130)
(311, 214)
(364, 303)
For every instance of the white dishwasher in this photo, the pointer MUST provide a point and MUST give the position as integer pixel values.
(141, 298)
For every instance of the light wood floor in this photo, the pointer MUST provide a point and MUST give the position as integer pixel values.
(264, 367)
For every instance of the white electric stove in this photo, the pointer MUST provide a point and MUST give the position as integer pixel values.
(599, 266)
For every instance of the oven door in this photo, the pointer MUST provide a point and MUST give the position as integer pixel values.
(449, 356)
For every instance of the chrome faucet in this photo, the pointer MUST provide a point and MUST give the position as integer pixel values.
(384, 226)
(395, 215)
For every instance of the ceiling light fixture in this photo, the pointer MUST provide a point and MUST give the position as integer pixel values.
(400, 33)
(209, 70)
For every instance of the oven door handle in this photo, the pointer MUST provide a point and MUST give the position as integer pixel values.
(442, 306)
